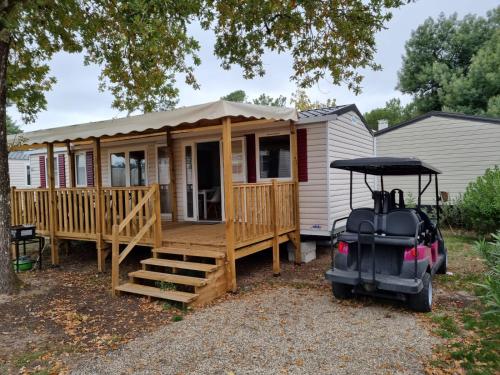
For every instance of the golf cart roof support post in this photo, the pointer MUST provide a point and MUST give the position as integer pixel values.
(382, 182)
(438, 208)
(350, 191)
(366, 183)
(419, 188)
(426, 186)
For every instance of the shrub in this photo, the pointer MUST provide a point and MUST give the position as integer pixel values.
(491, 286)
(452, 214)
(481, 202)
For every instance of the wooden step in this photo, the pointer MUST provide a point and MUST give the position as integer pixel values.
(170, 278)
(150, 291)
(190, 252)
(203, 267)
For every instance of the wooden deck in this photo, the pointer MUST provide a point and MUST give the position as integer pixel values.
(194, 233)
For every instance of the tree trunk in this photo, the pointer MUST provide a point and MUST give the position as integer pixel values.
(8, 279)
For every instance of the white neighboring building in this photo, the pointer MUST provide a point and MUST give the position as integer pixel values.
(461, 146)
(20, 169)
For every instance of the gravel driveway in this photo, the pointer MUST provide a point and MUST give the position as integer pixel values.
(282, 330)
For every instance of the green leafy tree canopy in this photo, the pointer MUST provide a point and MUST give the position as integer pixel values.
(440, 50)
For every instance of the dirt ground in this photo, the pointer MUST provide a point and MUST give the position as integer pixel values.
(67, 314)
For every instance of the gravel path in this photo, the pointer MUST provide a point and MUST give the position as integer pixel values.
(277, 331)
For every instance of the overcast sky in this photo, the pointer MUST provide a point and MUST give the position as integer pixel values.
(75, 98)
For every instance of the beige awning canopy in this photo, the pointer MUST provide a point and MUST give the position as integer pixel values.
(201, 114)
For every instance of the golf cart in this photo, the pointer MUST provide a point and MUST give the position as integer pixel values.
(388, 250)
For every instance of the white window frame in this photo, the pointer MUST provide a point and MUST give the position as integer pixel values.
(265, 134)
(84, 155)
(127, 151)
(244, 151)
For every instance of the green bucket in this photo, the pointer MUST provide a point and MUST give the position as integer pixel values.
(25, 263)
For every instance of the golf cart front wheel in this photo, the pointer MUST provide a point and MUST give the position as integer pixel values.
(422, 301)
(342, 291)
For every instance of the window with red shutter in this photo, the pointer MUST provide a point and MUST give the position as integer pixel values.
(251, 163)
(89, 155)
(43, 175)
(302, 154)
(62, 170)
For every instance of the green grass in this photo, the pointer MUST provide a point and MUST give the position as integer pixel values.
(471, 336)
(177, 318)
(28, 358)
(447, 328)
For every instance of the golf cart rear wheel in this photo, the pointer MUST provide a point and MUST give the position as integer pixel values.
(342, 291)
(422, 301)
(444, 266)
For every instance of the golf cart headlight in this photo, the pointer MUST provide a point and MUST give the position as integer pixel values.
(343, 248)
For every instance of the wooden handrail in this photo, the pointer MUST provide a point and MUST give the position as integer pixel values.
(153, 223)
(136, 209)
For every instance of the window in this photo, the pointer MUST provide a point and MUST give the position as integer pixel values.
(118, 175)
(274, 156)
(56, 172)
(128, 168)
(81, 169)
(28, 175)
(239, 170)
(137, 168)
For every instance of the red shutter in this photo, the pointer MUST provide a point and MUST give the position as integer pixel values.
(302, 154)
(251, 164)
(62, 170)
(43, 176)
(89, 156)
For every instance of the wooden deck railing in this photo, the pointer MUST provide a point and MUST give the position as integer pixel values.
(135, 215)
(30, 206)
(263, 209)
(75, 212)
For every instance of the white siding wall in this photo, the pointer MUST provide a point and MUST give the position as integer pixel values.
(461, 149)
(313, 194)
(348, 138)
(17, 172)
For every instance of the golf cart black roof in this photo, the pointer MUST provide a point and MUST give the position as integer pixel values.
(386, 166)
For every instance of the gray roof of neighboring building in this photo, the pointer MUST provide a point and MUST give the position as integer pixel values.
(460, 116)
(320, 112)
(311, 115)
(19, 155)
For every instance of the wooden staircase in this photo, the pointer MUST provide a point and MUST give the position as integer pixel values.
(191, 276)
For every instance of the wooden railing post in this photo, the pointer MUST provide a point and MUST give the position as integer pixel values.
(228, 200)
(54, 251)
(13, 201)
(275, 213)
(157, 211)
(295, 203)
(115, 259)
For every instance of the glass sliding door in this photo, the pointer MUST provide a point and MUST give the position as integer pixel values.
(164, 180)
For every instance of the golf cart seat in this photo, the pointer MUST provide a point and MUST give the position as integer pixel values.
(396, 228)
